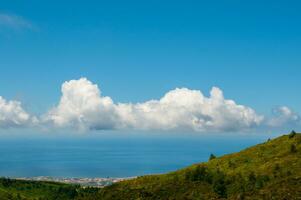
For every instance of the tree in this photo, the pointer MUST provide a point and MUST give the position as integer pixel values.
(212, 156)
(292, 134)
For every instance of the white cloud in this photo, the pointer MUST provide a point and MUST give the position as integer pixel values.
(13, 115)
(283, 116)
(14, 22)
(82, 106)
(189, 110)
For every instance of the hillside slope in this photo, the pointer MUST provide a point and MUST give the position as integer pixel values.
(271, 170)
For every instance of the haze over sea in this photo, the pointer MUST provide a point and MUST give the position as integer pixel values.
(111, 156)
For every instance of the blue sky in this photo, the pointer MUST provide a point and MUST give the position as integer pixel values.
(137, 51)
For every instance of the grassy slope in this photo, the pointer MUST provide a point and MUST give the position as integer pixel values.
(271, 170)
(265, 171)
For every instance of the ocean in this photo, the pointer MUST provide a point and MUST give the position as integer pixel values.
(99, 156)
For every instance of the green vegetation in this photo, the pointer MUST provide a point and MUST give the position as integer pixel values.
(271, 170)
(17, 189)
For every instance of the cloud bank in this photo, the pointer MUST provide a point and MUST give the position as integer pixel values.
(83, 107)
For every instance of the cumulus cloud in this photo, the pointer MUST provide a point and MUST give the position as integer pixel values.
(283, 116)
(189, 110)
(14, 22)
(82, 106)
(13, 115)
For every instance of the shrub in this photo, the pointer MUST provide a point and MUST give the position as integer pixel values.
(219, 184)
(261, 180)
(200, 173)
(277, 168)
(293, 148)
(231, 164)
(252, 177)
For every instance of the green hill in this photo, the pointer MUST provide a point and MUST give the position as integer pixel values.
(271, 170)
(19, 189)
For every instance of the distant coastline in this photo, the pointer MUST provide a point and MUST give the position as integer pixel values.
(84, 182)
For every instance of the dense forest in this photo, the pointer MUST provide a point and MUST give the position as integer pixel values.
(270, 170)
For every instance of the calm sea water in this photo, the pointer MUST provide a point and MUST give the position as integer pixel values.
(110, 157)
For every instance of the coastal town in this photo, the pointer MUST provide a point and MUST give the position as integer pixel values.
(84, 182)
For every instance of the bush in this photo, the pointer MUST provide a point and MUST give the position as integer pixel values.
(231, 164)
(261, 180)
(252, 178)
(219, 185)
(293, 148)
(277, 168)
(200, 173)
